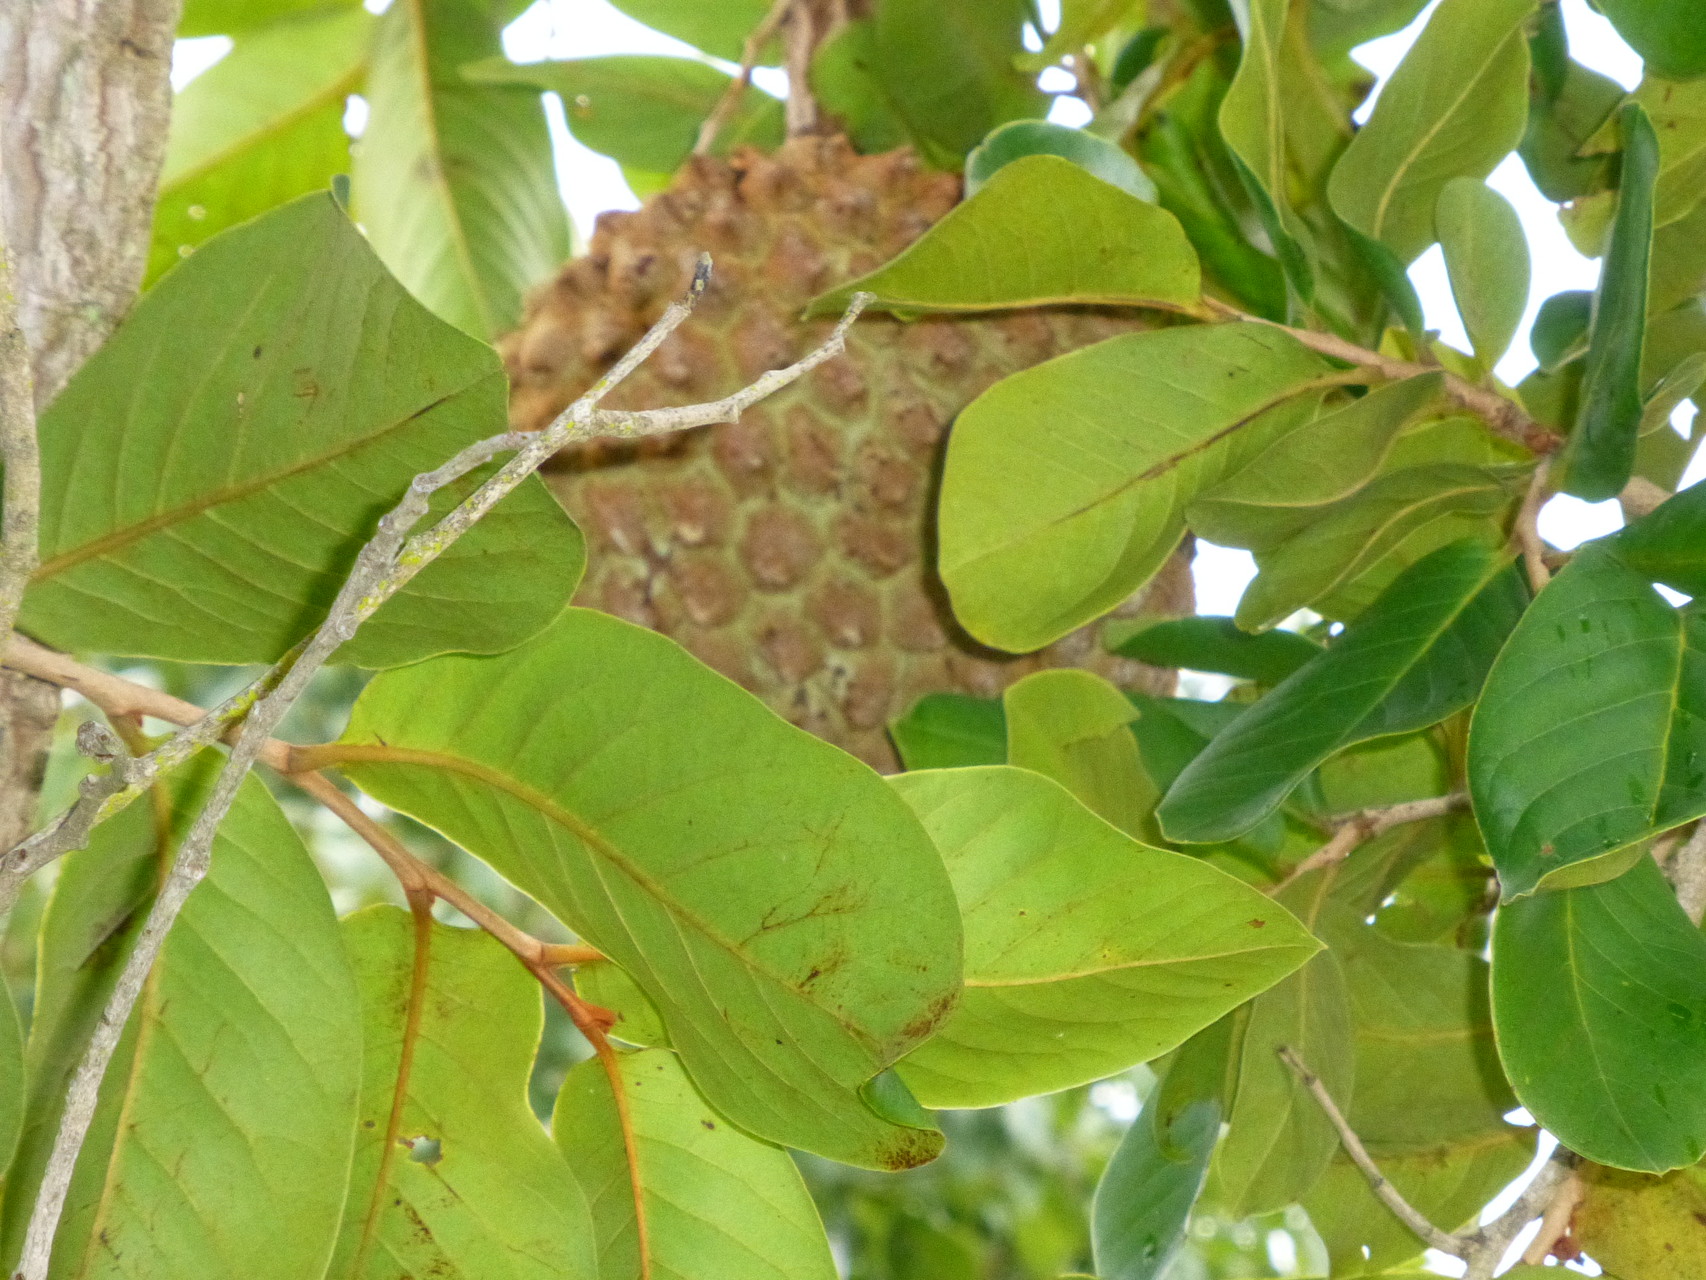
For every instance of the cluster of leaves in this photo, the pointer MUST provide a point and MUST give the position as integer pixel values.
(1065, 883)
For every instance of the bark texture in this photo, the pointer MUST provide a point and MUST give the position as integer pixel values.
(85, 101)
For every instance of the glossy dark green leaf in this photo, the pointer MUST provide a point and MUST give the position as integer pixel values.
(643, 111)
(1669, 545)
(1417, 655)
(1136, 427)
(454, 181)
(453, 1174)
(1086, 242)
(207, 510)
(719, 29)
(234, 1088)
(719, 1204)
(1599, 1000)
(1589, 737)
(1486, 258)
(1086, 952)
(1455, 107)
(1601, 453)
(949, 70)
(1143, 1202)
(951, 730)
(779, 905)
(263, 125)
(1096, 156)
(1215, 644)
(1280, 1142)
(1668, 34)
(1072, 726)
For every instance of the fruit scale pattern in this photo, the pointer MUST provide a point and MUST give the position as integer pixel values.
(792, 550)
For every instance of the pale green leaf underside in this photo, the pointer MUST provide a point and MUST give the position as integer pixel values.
(1042, 230)
(1111, 441)
(1086, 952)
(453, 180)
(1454, 108)
(719, 1204)
(781, 908)
(1486, 258)
(494, 1199)
(261, 126)
(207, 509)
(234, 1089)
(1071, 726)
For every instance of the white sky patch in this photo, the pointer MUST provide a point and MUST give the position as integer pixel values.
(1568, 522)
(191, 57)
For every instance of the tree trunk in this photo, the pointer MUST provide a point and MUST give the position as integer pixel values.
(85, 100)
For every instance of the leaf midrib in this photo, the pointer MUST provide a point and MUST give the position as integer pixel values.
(133, 533)
(1049, 979)
(344, 753)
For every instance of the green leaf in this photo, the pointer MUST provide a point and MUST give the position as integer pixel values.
(1358, 546)
(845, 83)
(1666, 33)
(1144, 1199)
(1601, 1021)
(948, 730)
(454, 181)
(12, 1084)
(1669, 544)
(1560, 332)
(229, 17)
(1675, 387)
(637, 1020)
(1020, 138)
(1072, 726)
(1280, 1142)
(1678, 115)
(1214, 644)
(719, 29)
(263, 125)
(1324, 460)
(1086, 952)
(643, 111)
(234, 1088)
(1600, 455)
(1455, 107)
(948, 69)
(1086, 242)
(1136, 427)
(1588, 737)
(452, 1170)
(1642, 1226)
(1449, 1184)
(718, 1203)
(246, 480)
(782, 909)
(1486, 257)
(1567, 105)
(1418, 655)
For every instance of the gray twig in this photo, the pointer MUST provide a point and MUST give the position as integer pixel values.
(1482, 1249)
(750, 52)
(388, 562)
(1354, 829)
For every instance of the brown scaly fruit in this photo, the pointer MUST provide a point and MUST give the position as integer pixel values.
(791, 550)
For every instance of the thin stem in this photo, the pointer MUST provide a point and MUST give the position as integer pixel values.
(750, 52)
(1504, 416)
(1388, 1195)
(1527, 529)
(1355, 829)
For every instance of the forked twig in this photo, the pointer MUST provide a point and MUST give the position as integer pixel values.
(388, 562)
(1355, 829)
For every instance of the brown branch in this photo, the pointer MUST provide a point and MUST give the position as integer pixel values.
(1527, 528)
(1505, 417)
(1354, 829)
(1555, 1221)
(750, 53)
(1482, 1249)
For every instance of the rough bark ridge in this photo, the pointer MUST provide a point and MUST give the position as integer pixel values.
(85, 100)
(793, 550)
